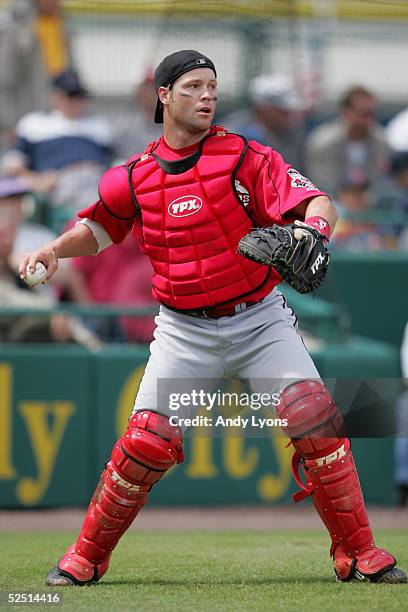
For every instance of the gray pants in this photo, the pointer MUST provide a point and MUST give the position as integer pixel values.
(260, 345)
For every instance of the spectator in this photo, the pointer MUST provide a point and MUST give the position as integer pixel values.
(393, 192)
(276, 119)
(135, 129)
(62, 152)
(350, 149)
(392, 198)
(14, 235)
(355, 231)
(33, 47)
(397, 132)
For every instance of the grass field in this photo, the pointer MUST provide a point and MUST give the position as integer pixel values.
(205, 571)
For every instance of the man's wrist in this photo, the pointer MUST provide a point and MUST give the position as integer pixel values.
(320, 224)
(53, 249)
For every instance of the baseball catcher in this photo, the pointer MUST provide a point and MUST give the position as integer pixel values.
(193, 199)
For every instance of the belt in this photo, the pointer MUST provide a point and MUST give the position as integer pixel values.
(223, 311)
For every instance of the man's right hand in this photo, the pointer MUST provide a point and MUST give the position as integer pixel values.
(45, 255)
(76, 242)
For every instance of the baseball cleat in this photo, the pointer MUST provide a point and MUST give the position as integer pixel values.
(75, 570)
(56, 579)
(393, 576)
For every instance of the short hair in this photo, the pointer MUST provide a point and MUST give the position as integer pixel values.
(357, 91)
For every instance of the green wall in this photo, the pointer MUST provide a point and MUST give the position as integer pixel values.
(373, 289)
(62, 408)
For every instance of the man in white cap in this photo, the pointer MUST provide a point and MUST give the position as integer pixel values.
(276, 117)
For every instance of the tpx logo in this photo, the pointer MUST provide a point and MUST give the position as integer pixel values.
(184, 206)
(316, 264)
(338, 454)
(123, 483)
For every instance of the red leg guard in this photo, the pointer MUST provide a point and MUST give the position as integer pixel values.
(316, 429)
(148, 448)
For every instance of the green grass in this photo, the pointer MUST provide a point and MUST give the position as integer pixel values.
(199, 571)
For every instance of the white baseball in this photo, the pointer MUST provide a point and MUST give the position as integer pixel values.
(35, 278)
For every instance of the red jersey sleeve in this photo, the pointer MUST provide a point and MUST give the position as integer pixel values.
(274, 187)
(116, 208)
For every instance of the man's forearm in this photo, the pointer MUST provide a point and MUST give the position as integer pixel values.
(76, 242)
(321, 206)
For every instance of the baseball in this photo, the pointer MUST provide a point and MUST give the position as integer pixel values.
(35, 278)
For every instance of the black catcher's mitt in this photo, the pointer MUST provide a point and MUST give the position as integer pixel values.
(297, 252)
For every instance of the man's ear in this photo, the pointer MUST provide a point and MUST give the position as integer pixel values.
(163, 94)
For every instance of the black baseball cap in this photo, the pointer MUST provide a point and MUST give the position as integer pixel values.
(172, 67)
(69, 82)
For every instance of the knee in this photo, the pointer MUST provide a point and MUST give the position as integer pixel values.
(313, 420)
(148, 448)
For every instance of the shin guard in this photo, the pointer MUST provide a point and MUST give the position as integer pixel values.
(148, 448)
(316, 430)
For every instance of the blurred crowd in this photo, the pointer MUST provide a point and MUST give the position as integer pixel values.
(55, 147)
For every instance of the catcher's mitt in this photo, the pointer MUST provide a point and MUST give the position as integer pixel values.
(297, 252)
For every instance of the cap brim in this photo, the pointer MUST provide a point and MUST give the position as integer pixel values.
(76, 93)
(72, 91)
(158, 115)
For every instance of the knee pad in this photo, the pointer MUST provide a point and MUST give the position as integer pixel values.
(316, 430)
(147, 449)
(314, 424)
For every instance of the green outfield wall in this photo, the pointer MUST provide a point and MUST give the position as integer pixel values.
(372, 289)
(62, 408)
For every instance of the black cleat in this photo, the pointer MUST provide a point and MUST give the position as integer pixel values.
(56, 579)
(392, 576)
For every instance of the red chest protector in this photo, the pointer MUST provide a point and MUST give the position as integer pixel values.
(192, 220)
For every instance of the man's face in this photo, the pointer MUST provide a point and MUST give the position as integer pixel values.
(47, 7)
(273, 118)
(191, 100)
(72, 107)
(362, 113)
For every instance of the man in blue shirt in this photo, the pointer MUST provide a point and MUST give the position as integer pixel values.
(62, 152)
